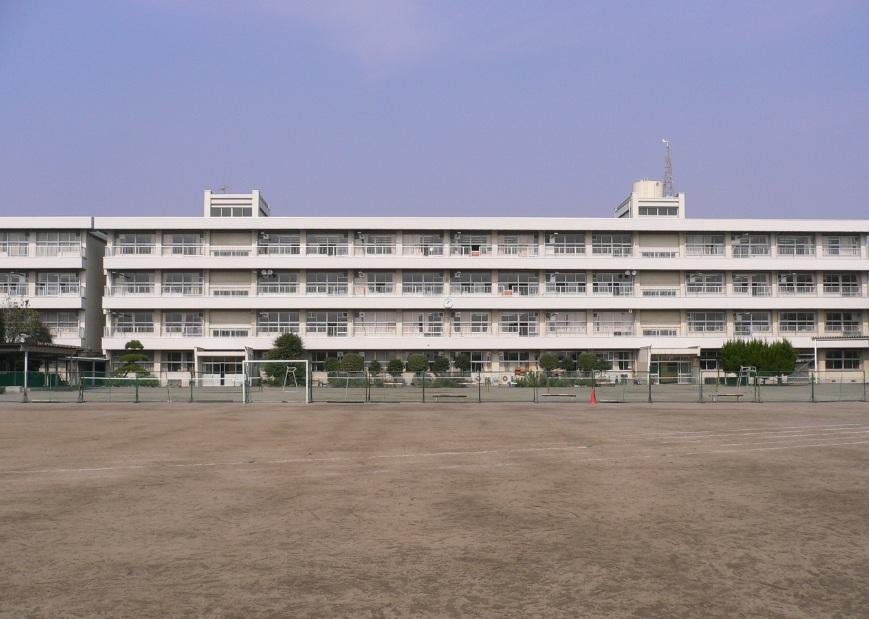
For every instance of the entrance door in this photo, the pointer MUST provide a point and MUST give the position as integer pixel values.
(221, 371)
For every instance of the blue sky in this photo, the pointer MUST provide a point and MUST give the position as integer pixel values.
(433, 108)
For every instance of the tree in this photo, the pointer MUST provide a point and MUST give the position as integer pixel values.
(549, 361)
(440, 364)
(776, 358)
(285, 346)
(782, 358)
(417, 363)
(374, 367)
(21, 324)
(332, 364)
(132, 359)
(395, 367)
(590, 362)
(462, 362)
(351, 362)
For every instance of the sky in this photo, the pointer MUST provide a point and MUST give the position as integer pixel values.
(433, 108)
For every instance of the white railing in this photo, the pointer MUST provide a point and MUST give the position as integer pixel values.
(660, 291)
(842, 290)
(613, 328)
(842, 251)
(607, 251)
(230, 331)
(326, 249)
(182, 329)
(796, 250)
(374, 328)
(131, 249)
(704, 250)
(183, 290)
(660, 254)
(470, 250)
(613, 290)
(363, 290)
(326, 329)
(13, 248)
(564, 329)
(183, 250)
(661, 332)
(279, 249)
(845, 330)
(229, 290)
(529, 330)
(523, 250)
(331, 290)
(508, 289)
(750, 251)
(565, 289)
(422, 250)
(269, 328)
(704, 289)
(57, 290)
(277, 289)
(13, 290)
(422, 289)
(428, 330)
(478, 288)
(373, 249)
(796, 290)
(753, 290)
(566, 249)
(230, 251)
(476, 329)
(122, 329)
(59, 249)
(122, 290)
(750, 330)
(71, 331)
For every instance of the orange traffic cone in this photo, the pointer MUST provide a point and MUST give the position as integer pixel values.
(593, 400)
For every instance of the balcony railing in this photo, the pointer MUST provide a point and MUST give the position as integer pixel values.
(330, 290)
(57, 290)
(613, 328)
(279, 249)
(842, 290)
(470, 250)
(564, 329)
(750, 251)
(182, 290)
(661, 332)
(606, 251)
(509, 289)
(477, 288)
(183, 250)
(659, 291)
(327, 329)
(132, 249)
(796, 250)
(230, 251)
(59, 249)
(66, 331)
(13, 290)
(842, 251)
(613, 290)
(565, 249)
(422, 289)
(521, 330)
(753, 290)
(374, 328)
(277, 289)
(704, 289)
(229, 290)
(124, 329)
(373, 249)
(660, 254)
(182, 329)
(326, 249)
(741, 330)
(844, 330)
(123, 290)
(519, 250)
(797, 290)
(567, 289)
(374, 289)
(269, 328)
(230, 331)
(422, 250)
(13, 249)
(477, 329)
(704, 250)
(427, 330)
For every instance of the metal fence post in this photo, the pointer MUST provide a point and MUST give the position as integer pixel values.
(423, 387)
(864, 385)
(649, 379)
(136, 385)
(534, 386)
(367, 386)
(812, 383)
(190, 381)
(700, 381)
(80, 390)
(479, 388)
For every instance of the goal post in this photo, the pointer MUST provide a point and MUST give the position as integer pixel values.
(280, 377)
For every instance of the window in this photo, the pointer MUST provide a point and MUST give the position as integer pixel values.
(748, 245)
(846, 323)
(471, 282)
(423, 244)
(523, 324)
(612, 244)
(613, 323)
(278, 243)
(844, 284)
(565, 323)
(326, 323)
(188, 324)
(753, 284)
(133, 322)
(182, 282)
(375, 244)
(231, 211)
(277, 322)
(58, 243)
(134, 243)
(326, 282)
(705, 245)
(746, 323)
(848, 359)
(182, 244)
(621, 360)
(705, 283)
(425, 324)
(13, 243)
(796, 283)
(565, 243)
(471, 322)
(570, 282)
(377, 282)
(796, 322)
(796, 244)
(56, 284)
(616, 284)
(709, 360)
(179, 361)
(277, 282)
(61, 323)
(706, 322)
(13, 284)
(132, 282)
(659, 211)
(805, 360)
(842, 245)
(326, 244)
(518, 358)
(521, 283)
(422, 282)
(470, 244)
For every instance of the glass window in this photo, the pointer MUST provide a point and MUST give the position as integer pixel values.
(327, 323)
(278, 243)
(471, 282)
(182, 282)
(54, 284)
(706, 322)
(796, 244)
(659, 211)
(705, 283)
(326, 282)
(705, 245)
(422, 282)
(844, 284)
(134, 243)
(565, 243)
(617, 244)
(277, 282)
(183, 323)
(133, 322)
(518, 282)
(796, 322)
(568, 282)
(471, 322)
(327, 243)
(179, 361)
(426, 324)
(523, 324)
(846, 323)
(747, 245)
(13, 284)
(848, 359)
(614, 283)
(754, 284)
(277, 322)
(746, 323)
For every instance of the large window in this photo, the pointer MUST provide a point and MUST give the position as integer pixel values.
(58, 243)
(423, 244)
(658, 211)
(796, 322)
(132, 282)
(231, 211)
(620, 360)
(188, 324)
(277, 322)
(374, 244)
(706, 322)
(133, 322)
(748, 245)
(614, 323)
(844, 284)
(616, 284)
(422, 282)
(471, 282)
(747, 323)
(13, 243)
(327, 244)
(326, 282)
(565, 243)
(470, 244)
(13, 284)
(134, 243)
(796, 283)
(518, 282)
(848, 359)
(424, 324)
(603, 244)
(182, 283)
(568, 282)
(277, 282)
(326, 323)
(182, 244)
(705, 245)
(471, 322)
(842, 245)
(57, 284)
(752, 284)
(796, 244)
(705, 283)
(844, 323)
(278, 243)
(523, 324)
(62, 323)
(376, 282)
(565, 323)
(179, 361)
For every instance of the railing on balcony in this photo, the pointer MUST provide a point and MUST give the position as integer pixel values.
(65, 332)
(614, 328)
(470, 250)
(422, 289)
(660, 291)
(561, 328)
(508, 289)
(802, 250)
(230, 331)
(752, 290)
(750, 251)
(842, 290)
(426, 330)
(59, 249)
(182, 329)
(373, 249)
(523, 250)
(279, 249)
(327, 329)
(230, 251)
(854, 329)
(566, 249)
(845, 251)
(374, 328)
(661, 331)
(326, 249)
(57, 289)
(659, 254)
(374, 289)
(330, 290)
(521, 330)
(13, 290)
(791, 290)
(229, 290)
(567, 289)
(269, 328)
(183, 250)
(476, 288)
(125, 329)
(132, 249)
(476, 329)
(613, 290)
(183, 290)
(13, 249)
(607, 251)
(704, 250)
(422, 250)
(277, 288)
(123, 290)
(704, 289)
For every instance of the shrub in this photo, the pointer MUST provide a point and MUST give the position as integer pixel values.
(331, 364)
(462, 362)
(549, 361)
(351, 362)
(417, 363)
(440, 364)
(374, 367)
(395, 367)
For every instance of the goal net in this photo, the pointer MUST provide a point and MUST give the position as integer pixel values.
(276, 380)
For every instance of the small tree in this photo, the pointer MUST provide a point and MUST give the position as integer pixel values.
(781, 358)
(440, 364)
(462, 362)
(549, 361)
(22, 324)
(374, 367)
(417, 363)
(590, 362)
(331, 364)
(132, 359)
(395, 367)
(285, 346)
(351, 362)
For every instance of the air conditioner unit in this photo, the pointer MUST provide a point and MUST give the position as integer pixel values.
(360, 315)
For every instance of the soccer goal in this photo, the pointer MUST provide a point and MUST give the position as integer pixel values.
(276, 380)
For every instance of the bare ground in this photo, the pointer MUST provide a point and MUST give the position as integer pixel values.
(434, 510)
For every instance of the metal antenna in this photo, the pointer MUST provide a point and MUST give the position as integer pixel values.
(668, 170)
(224, 189)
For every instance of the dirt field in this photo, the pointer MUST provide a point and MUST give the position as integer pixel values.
(434, 510)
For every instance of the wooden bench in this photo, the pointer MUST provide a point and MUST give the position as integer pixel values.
(715, 396)
(557, 395)
(448, 395)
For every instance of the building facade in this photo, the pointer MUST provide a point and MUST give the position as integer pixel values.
(649, 288)
(55, 265)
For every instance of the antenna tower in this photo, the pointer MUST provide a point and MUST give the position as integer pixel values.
(668, 170)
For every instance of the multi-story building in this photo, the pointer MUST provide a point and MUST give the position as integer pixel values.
(54, 265)
(649, 289)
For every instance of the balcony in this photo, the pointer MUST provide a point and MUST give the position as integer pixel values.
(613, 328)
(661, 332)
(797, 251)
(59, 249)
(422, 250)
(704, 289)
(374, 328)
(606, 251)
(704, 250)
(373, 250)
(182, 290)
(326, 329)
(753, 290)
(476, 288)
(230, 251)
(326, 249)
(850, 329)
(125, 290)
(565, 249)
(13, 290)
(521, 330)
(660, 291)
(424, 330)
(282, 249)
(128, 329)
(470, 250)
(797, 290)
(374, 289)
(559, 328)
(842, 290)
(277, 328)
(660, 254)
(182, 329)
(326, 290)
(509, 289)
(852, 251)
(519, 250)
(230, 331)
(131, 249)
(277, 289)
(613, 290)
(183, 250)
(566, 289)
(57, 289)
(750, 251)
(229, 290)
(425, 290)
(70, 331)
(13, 249)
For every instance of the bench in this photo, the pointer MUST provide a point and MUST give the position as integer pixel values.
(715, 396)
(436, 396)
(557, 395)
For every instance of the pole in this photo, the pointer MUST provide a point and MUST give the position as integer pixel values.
(26, 367)
(136, 383)
(700, 380)
(649, 377)
(812, 382)
(423, 387)
(480, 387)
